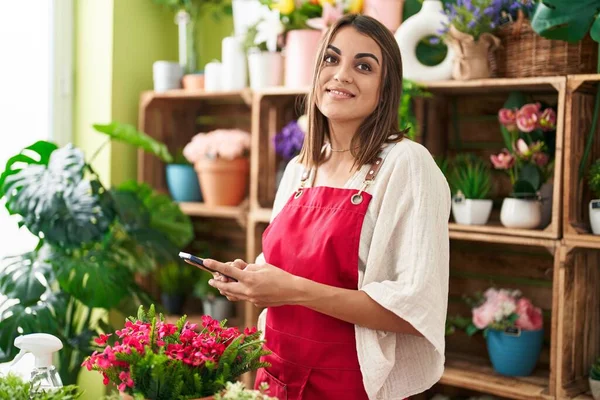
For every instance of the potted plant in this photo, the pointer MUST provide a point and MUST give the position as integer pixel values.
(594, 379)
(527, 160)
(157, 360)
(93, 240)
(594, 207)
(470, 179)
(468, 32)
(513, 329)
(288, 143)
(213, 303)
(237, 391)
(175, 282)
(221, 160)
(13, 387)
(182, 180)
(265, 61)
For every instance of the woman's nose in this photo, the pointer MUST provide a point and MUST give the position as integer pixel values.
(343, 74)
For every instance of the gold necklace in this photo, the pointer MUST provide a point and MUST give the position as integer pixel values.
(339, 151)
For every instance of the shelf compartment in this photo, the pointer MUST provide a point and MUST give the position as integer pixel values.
(476, 86)
(581, 95)
(202, 210)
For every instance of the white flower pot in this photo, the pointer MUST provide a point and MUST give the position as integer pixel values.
(471, 212)
(520, 213)
(595, 216)
(266, 69)
(218, 308)
(245, 14)
(595, 388)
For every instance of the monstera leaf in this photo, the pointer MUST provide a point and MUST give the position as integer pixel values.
(164, 215)
(567, 20)
(128, 134)
(57, 203)
(26, 277)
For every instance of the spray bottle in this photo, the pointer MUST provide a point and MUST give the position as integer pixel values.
(44, 376)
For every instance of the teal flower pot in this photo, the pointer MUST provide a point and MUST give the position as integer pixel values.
(182, 182)
(514, 355)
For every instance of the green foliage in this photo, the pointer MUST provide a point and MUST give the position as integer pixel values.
(92, 240)
(594, 178)
(406, 115)
(128, 134)
(177, 278)
(237, 391)
(443, 164)
(567, 20)
(14, 388)
(595, 370)
(471, 176)
(198, 7)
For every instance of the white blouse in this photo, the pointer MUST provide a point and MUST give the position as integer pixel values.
(403, 265)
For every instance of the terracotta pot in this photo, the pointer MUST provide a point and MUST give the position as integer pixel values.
(471, 60)
(223, 182)
(193, 81)
(125, 396)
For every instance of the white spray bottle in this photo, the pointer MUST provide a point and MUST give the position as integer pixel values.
(44, 376)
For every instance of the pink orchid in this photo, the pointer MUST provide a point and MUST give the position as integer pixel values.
(530, 317)
(503, 160)
(548, 120)
(508, 118)
(528, 117)
(330, 14)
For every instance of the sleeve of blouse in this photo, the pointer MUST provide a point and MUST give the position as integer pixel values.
(408, 264)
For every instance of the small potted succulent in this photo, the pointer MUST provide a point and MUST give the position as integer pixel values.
(153, 359)
(471, 181)
(594, 207)
(594, 379)
(221, 160)
(175, 282)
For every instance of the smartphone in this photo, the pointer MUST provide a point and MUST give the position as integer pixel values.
(199, 262)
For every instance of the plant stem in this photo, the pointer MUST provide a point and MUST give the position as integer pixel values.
(107, 141)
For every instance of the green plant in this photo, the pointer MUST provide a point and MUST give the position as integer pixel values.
(470, 176)
(406, 115)
(174, 361)
(595, 370)
(237, 391)
(175, 278)
(197, 8)
(92, 240)
(13, 387)
(202, 289)
(594, 178)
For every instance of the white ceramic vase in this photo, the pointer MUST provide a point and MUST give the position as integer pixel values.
(595, 388)
(520, 213)
(266, 69)
(595, 216)
(471, 212)
(218, 308)
(427, 21)
(167, 75)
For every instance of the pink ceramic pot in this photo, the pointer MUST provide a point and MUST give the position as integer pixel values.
(300, 52)
(388, 12)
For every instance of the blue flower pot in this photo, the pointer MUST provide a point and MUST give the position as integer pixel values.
(182, 182)
(514, 355)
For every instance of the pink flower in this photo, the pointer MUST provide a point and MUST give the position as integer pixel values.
(101, 340)
(508, 118)
(528, 117)
(484, 315)
(522, 148)
(530, 317)
(330, 14)
(548, 120)
(541, 159)
(503, 160)
(224, 143)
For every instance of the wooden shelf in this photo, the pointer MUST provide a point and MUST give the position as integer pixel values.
(542, 84)
(498, 229)
(281, 91)
(202, 210)
(261, 215)
(587, 241)
(239, 96)
(478, 374)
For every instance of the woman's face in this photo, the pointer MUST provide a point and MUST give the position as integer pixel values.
(348, 85)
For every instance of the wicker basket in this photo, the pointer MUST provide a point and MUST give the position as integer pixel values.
(524, 53)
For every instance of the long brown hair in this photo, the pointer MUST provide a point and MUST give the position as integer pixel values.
(382, 125)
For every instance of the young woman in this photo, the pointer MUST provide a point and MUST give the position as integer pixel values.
(355, 268)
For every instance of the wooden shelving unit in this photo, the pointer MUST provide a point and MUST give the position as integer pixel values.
(556, 270)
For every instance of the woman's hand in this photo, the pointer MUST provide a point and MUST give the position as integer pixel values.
(239, 264)
(264, 285)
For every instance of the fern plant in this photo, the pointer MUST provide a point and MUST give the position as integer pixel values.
(159, 360)
(595, 370)
(13, 387)
(594, 178)
(470, 176)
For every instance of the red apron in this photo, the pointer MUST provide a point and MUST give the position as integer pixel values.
(315, 236)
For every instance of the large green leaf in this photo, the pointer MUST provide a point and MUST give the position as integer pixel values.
(57, 203)
(595, 29)
(128, 134)
(26, 277)
(531, 174)
(165, 215)
(564, 20)
(94, 277)
(38, 153)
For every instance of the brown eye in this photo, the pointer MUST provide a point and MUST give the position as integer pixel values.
(364, 67)
(329, 59)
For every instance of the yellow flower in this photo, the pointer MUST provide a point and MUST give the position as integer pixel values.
(285, 7)
(322, 2)
(356, 6)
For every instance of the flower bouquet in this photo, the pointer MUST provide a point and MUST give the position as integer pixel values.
(288, 143)
(513, 328)
(158, 360)
(528, 160)
(221, 160)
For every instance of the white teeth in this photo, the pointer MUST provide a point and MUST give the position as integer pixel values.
(340, 93)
